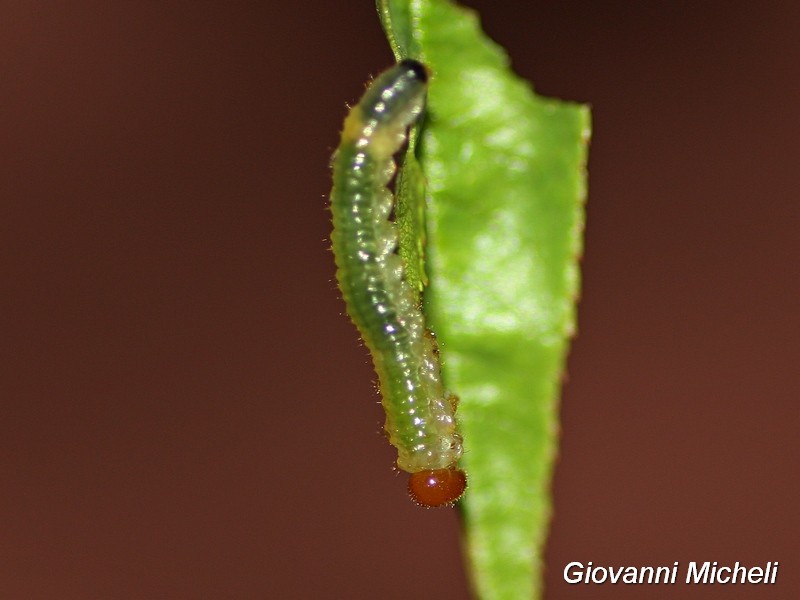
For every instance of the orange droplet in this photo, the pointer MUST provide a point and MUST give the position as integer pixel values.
(439, 487)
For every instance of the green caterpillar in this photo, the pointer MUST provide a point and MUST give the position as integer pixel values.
(420, 416)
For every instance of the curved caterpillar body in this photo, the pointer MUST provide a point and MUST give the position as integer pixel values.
(420, 416)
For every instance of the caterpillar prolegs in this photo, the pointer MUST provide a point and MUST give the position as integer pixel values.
(420, 416)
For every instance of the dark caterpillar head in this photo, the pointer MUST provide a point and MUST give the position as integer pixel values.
(440, 487)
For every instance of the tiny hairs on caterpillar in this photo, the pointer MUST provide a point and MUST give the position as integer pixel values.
(420, 415)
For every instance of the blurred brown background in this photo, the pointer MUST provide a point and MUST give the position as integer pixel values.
(184, 411)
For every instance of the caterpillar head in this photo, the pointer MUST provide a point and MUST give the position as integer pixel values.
(439, 487)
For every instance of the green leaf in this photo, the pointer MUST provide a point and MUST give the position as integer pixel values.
(505, 173)
(410, 216)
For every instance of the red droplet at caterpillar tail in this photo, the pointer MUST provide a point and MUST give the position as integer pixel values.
(420, 415)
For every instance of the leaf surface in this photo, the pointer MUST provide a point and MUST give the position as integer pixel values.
(505, 187)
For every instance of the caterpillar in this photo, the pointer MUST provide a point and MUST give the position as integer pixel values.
(420, 415)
